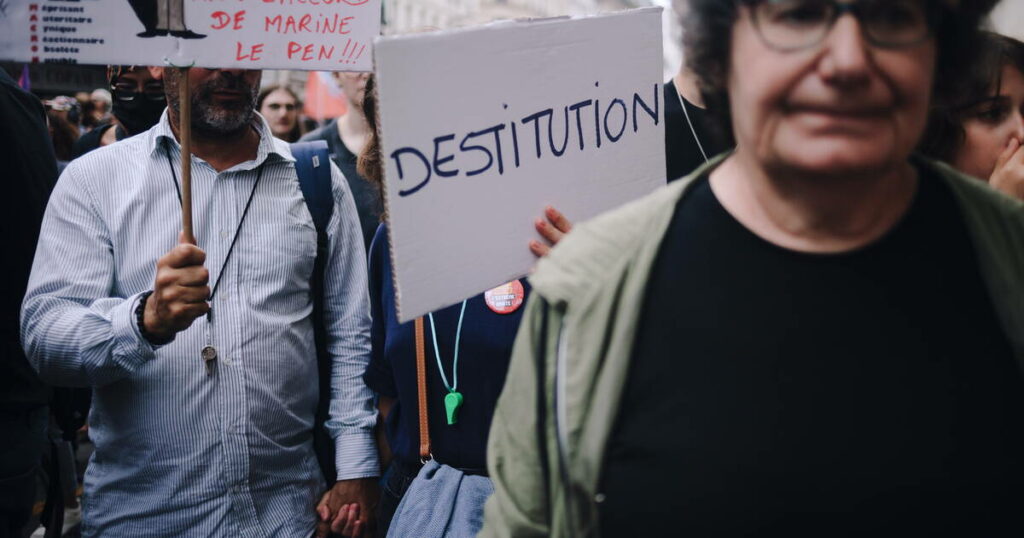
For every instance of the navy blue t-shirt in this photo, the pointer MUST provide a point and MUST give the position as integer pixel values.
(485, 349)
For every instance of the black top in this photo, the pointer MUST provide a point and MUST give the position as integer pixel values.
(775, 393)
(30, 173)
(682, 153)
(485, 349)
(91, 140)
(368, 203)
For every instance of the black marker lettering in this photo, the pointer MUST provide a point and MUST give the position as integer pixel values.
(490, 156)
(656, 113)
(616, 137)
(401, 174)
(536, 125)
(497, 143)
(515, 142)
(439, 162)
(579, 124)
(551, 140)
(476, 147)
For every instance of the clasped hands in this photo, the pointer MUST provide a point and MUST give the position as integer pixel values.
(348, 508)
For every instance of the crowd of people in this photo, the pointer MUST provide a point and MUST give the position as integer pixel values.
(816, 326)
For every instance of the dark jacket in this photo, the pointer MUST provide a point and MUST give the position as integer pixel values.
(29, 176)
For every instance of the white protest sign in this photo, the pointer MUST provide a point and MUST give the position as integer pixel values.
(327, 35)
(484, 127)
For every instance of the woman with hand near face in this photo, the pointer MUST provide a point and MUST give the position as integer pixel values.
(816, 334)
(981, 131)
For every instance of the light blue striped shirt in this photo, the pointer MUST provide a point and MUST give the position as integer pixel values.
(180, 453)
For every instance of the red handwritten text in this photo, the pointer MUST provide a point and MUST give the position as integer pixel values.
(309, 52)
(320, 24)
(245, 52)
(223, 19)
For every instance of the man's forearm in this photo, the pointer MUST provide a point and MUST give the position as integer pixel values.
(73, 332)
(72, 344)
(356, 455)
(347, 312)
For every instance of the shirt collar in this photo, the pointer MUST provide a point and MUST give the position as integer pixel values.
(269, 147)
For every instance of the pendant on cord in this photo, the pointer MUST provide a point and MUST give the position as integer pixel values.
(452, 403)
(209, 354)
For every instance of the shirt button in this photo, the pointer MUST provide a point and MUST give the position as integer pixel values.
(599, 498)
(227, 361)
(223, 234)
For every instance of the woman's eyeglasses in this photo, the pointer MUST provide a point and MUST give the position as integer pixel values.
(790, 25)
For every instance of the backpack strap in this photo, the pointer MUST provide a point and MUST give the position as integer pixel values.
(313, 167)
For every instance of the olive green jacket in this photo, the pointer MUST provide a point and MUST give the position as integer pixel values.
(576, 338)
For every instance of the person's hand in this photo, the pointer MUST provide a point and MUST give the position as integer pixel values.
(180, 291)
(348, 508)
(346, 518)
(552, 228)
(1008, 176)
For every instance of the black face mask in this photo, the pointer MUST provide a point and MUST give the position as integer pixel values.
(139, 114)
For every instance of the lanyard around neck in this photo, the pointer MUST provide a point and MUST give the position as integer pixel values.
(682, 103)
(437, 352)
(234, 239)
(453, 400)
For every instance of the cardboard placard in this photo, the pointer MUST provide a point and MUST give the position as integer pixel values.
(484, 127)
(1008, 19)
(328, 35)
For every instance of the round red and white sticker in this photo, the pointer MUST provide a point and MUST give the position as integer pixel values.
(506, 298)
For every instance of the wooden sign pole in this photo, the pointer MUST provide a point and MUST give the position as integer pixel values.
(185, 130)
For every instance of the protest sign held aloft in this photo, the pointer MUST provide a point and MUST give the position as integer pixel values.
(484, 127)
(328, 35)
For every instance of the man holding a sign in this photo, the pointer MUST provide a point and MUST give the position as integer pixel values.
(200, 351)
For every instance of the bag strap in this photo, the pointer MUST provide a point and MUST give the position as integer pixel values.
(313, 168)
(421, 389)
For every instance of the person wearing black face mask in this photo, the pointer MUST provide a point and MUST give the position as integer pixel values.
(138, 103)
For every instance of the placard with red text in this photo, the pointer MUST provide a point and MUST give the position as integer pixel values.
(321, 35)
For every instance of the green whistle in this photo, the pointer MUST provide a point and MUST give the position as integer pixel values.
(452, 403)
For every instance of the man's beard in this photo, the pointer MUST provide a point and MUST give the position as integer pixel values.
(214, 118)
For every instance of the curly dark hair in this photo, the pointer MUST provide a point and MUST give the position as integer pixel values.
(945, 134)
(369, 163)
(708, 37)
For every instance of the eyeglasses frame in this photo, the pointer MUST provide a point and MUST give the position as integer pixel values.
(842, 8)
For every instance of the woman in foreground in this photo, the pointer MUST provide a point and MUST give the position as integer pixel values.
(816, 334)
